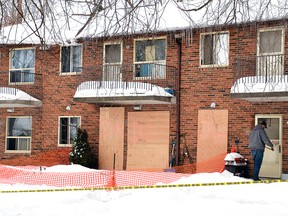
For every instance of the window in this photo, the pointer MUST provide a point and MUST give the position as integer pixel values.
(22, 65)
(68, 129)
(71, 59)
(112, 62)
(150, 58)
(19, 132)
(214, 49)
(270, 42)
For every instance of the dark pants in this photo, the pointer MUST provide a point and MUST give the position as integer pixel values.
(258, 158)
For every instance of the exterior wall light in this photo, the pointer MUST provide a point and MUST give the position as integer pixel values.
(137, 107)
(213, 105)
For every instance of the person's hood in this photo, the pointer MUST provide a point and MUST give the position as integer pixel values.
(258, 127)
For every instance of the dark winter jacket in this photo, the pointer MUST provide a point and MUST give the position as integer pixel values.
(258, 139)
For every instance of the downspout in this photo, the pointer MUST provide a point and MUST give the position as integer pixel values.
(178, 83)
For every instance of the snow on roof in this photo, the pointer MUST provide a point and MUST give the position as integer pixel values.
(66, 21)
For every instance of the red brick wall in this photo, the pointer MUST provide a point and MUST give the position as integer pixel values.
(199, 88)
(202, 86)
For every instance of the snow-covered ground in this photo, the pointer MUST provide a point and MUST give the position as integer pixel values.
(225, 200)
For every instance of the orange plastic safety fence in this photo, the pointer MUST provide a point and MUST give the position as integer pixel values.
(214, 164)
(35, 175)
(94, 178)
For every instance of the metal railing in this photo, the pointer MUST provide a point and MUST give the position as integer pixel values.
(29, 82)
(261, 69)
(111, 76)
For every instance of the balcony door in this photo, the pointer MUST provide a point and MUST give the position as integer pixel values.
(112, 62)
(272, 161)
(270, 53)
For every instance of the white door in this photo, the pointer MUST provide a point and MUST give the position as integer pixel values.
(112, 65)
(272, 161)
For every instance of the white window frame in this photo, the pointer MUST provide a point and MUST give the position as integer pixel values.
(156, 62)
(21, 70)
(113, 64)
(28, 138)
(270, 30)
(68, 132)
(71, 72)
(215, 64)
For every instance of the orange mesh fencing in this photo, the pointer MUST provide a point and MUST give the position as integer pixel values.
(214, 164)
(94, 178)
(35, 175)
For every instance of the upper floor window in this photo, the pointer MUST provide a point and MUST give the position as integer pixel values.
(18, 135)
(22, 65)
(270, 41)
(150, 58)
(68, 130)
(71, 59)
(214, 49)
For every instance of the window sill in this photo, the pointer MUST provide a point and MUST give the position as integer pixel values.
(21, 83)
(69, 73)
(17, 152)
(213, 66)
(64, 145)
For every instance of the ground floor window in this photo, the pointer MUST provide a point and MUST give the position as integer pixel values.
(19, 132)
(68, 130)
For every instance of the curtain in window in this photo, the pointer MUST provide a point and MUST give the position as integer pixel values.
(207, 49)
(20, 127)
(68, 129)
(63, 139)
(113, 53)
(76, 58)
(150, 50)
(74, 123)
(222, 49)
(71, 59)
(271, 41)
(65, 59)
(215, 49)
(23, 59)
(160, 53)
(19, 133)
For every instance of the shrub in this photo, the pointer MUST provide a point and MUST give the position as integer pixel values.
(81, 152)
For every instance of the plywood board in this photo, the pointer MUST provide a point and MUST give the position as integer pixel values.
(111, 137)
(148, 140)
(212, 134)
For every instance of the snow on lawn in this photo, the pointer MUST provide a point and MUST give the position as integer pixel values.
(225, 200)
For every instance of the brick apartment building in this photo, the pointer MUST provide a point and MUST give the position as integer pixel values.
(135, 94)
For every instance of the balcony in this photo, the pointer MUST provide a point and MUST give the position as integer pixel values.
(127, 84)
(261, 78)
(20, 89)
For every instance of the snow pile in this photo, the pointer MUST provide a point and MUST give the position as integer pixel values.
(224, 200)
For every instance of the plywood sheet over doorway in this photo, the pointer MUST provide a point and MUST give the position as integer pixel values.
(212, 134)
(111, 137)
(148, 140)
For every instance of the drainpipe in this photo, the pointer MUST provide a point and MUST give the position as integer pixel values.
(178, 83)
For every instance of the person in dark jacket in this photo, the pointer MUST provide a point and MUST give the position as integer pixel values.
(257, 141)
